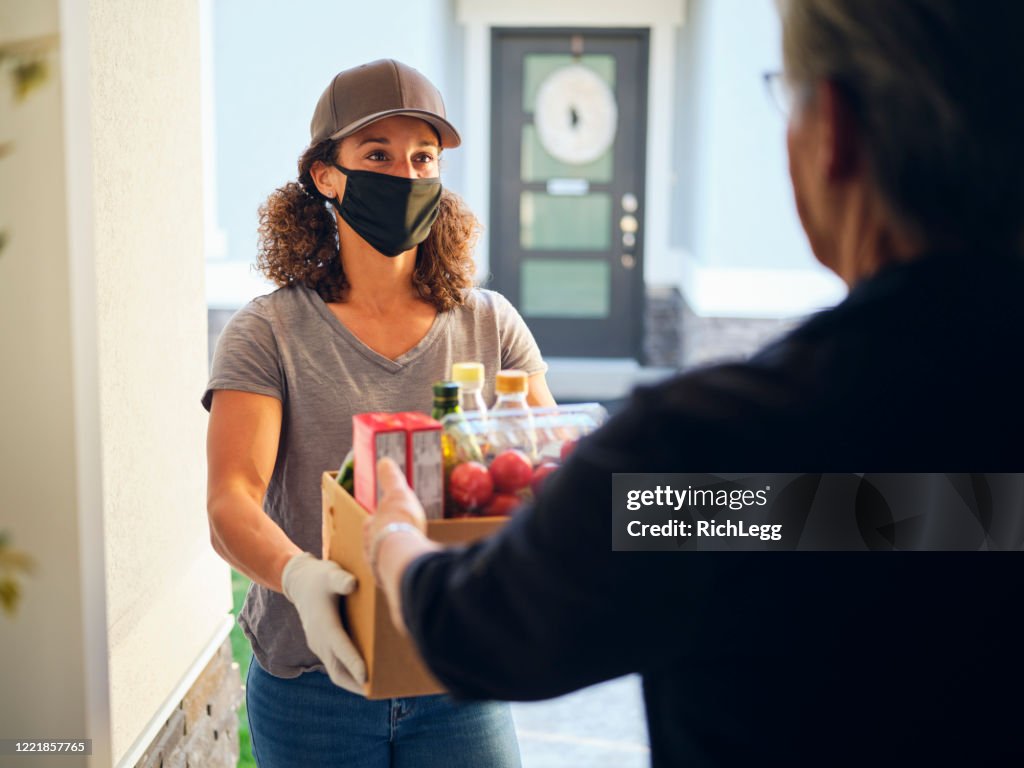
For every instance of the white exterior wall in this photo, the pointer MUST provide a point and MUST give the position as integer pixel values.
(270, 63)
(103, 315)
(53, 671)
(168, 593)
(743, 250)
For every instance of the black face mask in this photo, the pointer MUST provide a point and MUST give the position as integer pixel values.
(391, 213)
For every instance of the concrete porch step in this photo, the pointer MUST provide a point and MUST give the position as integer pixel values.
(598, 379)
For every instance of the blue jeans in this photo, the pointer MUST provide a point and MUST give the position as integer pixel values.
(308, 722)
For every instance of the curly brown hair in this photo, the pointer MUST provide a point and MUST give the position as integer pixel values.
(298, 241)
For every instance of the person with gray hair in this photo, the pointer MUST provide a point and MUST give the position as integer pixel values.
(930, 99)
(906, 158)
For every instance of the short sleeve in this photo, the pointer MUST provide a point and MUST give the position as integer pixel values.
(518, 347)
(247, 357)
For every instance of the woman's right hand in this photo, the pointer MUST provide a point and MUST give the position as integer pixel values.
(313, 587)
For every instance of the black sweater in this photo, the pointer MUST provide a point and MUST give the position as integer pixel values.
(795, 658)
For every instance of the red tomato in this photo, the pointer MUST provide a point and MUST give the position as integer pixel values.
(567, 447)
(540, 474)
(511, 470)
(502, 505)
(470, 484)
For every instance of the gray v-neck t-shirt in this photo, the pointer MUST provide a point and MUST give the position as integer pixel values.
(289, 345)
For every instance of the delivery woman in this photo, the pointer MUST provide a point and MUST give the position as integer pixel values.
(374, 262)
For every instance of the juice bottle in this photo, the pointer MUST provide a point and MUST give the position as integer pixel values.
(511, 387)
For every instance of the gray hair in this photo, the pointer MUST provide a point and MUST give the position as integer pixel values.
(937, 88)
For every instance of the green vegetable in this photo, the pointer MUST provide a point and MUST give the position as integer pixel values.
(347, 473)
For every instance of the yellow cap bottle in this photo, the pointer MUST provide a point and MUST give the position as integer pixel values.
(468, 373)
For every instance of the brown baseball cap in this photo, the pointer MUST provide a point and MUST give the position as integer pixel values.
(362, 95)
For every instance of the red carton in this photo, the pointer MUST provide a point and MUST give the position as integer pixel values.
(374, 436)
(413, 440)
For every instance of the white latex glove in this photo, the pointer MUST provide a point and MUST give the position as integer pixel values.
(313, 586)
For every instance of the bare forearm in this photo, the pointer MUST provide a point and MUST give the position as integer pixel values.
(538, 395)
(251, 542)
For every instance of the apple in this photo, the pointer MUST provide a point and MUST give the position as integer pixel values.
(511, 470)
(470, 485)
(567, 447)
(502, 505)
(540, 474)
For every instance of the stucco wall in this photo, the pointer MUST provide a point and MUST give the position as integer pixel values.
(168, 592)
(745, 212)
(746, 252)
(42, 673)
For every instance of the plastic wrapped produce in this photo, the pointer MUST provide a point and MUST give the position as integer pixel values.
(498, 460)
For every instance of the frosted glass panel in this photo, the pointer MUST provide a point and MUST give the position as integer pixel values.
(565, 288)
(569, 223)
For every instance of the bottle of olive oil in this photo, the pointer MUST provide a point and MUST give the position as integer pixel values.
(446, 402)
(446, 399)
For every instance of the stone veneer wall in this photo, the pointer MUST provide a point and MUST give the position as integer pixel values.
(717, 339)
(203, 731)
(663, 327)
(676, 337)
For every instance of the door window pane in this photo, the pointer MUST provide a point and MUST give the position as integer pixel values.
(539, 165)
(577, 288)
(537, 66)
(565, 223)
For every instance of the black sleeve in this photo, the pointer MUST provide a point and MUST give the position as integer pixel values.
(545, 606)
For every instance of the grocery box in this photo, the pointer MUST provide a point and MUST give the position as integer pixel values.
(393, 666)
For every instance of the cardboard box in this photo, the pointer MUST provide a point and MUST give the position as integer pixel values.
(393, 666)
